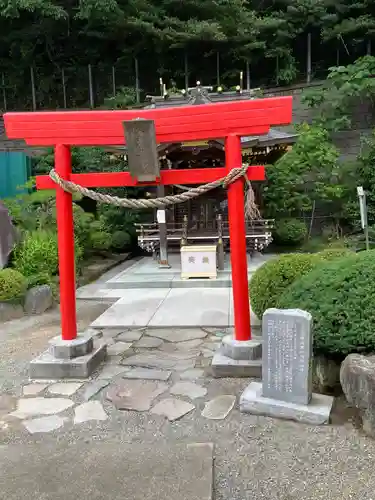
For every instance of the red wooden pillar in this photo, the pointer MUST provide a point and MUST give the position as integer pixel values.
(65, 234)
(236, 214)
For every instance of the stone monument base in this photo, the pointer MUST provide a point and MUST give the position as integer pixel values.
(64, 359)
(315, 413)
(238, 358)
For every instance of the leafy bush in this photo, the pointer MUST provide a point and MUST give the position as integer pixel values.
(290, 232)
(270, 281)
(340, 296)
(121, 240)
(37, 254)
(42, 278)
(13, 285)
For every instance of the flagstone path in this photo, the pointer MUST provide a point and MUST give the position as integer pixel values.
(164, 372)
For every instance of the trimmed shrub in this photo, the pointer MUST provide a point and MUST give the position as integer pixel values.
(37, 254)
(290, 232)
(100, 241)
(13, 285)
(121, 240)
(340, 295)
(100, 238)
(270, 281)
(334, 253)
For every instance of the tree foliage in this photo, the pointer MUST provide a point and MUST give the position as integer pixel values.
(345, 86)
(59, 34)
(308, 172)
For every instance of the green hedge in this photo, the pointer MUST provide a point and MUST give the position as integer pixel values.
(13, 285)
(271, 280)
(334, 253)
(340, 295)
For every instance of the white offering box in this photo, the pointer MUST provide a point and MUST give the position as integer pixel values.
(198, 261)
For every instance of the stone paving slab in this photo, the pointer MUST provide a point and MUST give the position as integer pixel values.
(176, 335)
(135, 309)
(130, 336)
(219, 407)
(64, 388)
(33, 389)
(40, 406)
(148, 343)
(111, 471)
(147, 374)
(188, 389)
(162, 280)
(93, 388)
(98, 292)
(110, 371)
(44, 424)
(90, 410)
(192, 308)
(118, 348)
(192, 374)
(161, 360)
(135, 394)
(172, 408)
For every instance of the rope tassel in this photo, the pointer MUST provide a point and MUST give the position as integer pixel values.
(251, 210)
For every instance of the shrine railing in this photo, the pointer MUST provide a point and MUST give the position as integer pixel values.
(258, 234)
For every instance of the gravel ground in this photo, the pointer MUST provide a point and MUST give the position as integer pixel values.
(256, 457)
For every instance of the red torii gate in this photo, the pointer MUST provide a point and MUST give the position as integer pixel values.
(64, 129)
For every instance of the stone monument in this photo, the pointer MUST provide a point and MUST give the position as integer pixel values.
(286, 388)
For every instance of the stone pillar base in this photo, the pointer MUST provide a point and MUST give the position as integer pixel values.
(237, 358)
(64, 359)
(163, 264)
(317, 412)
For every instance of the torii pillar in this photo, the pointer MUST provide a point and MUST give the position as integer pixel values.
(75, 356)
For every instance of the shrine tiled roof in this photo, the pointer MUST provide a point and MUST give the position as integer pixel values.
(204, 95)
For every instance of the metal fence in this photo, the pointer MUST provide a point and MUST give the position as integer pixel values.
(87, 86)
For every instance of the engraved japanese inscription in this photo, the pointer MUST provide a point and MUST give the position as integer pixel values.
(287, 352)
(141, 144)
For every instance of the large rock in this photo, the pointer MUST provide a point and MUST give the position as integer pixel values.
(8, 235)
(38, 299)
(357, 376)
(9, 311)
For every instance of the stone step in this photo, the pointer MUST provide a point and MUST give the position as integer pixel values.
(171, 282)
(110, 470)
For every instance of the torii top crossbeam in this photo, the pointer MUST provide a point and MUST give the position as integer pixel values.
(229, 120)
